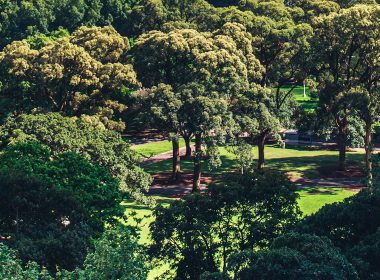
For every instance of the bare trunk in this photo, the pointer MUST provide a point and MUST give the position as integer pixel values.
(176, 160)
(368, 152)
(342, 144)
(188, 146)
(261, 146)
(197, 164)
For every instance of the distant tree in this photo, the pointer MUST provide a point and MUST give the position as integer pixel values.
(200, 232)
(281, 44)
(85, 136)
(166, 15)
(53, 207)
(21, 19)
(103, 43)
(165, 107)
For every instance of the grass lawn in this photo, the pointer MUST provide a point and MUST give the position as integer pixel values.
(310, 201)
(297, 160)
(307, 103)
(155, 148)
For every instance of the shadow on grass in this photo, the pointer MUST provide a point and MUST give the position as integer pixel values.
(319, 191)
(307, 165)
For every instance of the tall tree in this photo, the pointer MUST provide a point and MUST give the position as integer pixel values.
(346, 48)
(75, 75)
(281, 44)
(203, 69)
(164, 105)
(252, 111)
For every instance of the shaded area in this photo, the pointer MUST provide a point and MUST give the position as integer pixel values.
(163, 185)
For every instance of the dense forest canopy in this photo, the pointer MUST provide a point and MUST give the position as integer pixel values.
(89, 190)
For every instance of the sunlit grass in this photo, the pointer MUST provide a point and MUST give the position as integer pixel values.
(155, 148)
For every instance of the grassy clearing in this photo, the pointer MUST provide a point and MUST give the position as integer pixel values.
(310, 201)
(307, 103)
(297, 160)
(155, 148)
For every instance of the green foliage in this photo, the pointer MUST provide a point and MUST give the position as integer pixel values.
(80, 74)
(299, 256)
(39, 40)
(86, 137)
(117, 256)
(346, 223)
(365, 256)
(20, 19)
(51, 208)
(200, 232)
(12, 268)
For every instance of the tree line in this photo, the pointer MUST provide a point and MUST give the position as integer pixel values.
(74, 74)
(208, 73)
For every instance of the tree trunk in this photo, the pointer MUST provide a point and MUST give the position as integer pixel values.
(368, 151)
(176, 160)
(197, 163)
(261, 146)
(342, 144)
(188, 145)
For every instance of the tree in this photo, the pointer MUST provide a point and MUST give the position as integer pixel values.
(346, 223)
(204, 70)
(85, 136)
(341, 43)
(73, 75)
(52, 208)
(165, 107)
(21, 19)
(104, 44)
(365, 256)
(166, 15)
(117, 255)
(200, 232)
(299, 256)
(252, 110)
(281, 44)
